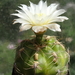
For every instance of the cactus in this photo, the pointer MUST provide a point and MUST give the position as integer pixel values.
(41, 55)
(49, 57)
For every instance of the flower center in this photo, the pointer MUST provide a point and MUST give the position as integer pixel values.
(40, 14)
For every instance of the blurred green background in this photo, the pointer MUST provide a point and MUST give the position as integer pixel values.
(10, 37)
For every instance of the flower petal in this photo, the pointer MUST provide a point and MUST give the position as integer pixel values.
(53, 27)
(43, 8)
(57, 13)
(51, 8)
(23, 7)
(30, 16)
(38, 29)
(22, 15)
(25, 27)
(59, 19)
(32, 8)
(40, 4)
(27, 13)
(20, 20)
(18, 15)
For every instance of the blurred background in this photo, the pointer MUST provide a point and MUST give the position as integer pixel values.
(10, 37)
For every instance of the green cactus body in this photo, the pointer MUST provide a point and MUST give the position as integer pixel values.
(49, 57)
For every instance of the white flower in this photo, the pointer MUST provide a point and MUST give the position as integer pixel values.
(39, 17)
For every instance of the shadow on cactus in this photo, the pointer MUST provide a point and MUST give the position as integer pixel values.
(42, 54)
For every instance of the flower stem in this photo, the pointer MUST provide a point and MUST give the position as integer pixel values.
(39, 38)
